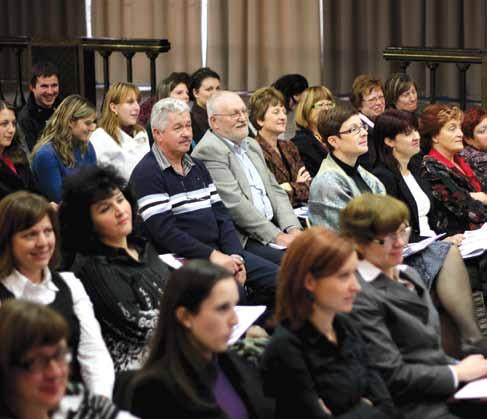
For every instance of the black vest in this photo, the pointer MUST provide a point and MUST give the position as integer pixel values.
(63, 304)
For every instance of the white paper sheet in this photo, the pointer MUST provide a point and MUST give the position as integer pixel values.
(475, 390)
(170, 259)
(247, 315)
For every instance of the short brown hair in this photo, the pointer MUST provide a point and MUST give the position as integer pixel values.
(363, 85)
(472, 117)
(261, 100)
(370, 215)
(318, 252)
(308, 98)
(433, 118)
(329, 123)
(395, 86)
(20, 211)
(24, 325)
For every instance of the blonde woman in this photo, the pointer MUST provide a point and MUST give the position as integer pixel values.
(119, 140)
(64, 145)
(311, 146)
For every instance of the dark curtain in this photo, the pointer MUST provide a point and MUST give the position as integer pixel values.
(357, 31)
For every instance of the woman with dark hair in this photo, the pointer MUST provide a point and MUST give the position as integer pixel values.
(64, 145)
(396, 315)
(29, 253)
(401, 92)
(312, 147)
(203, 83)
(316, 363)
(120, 270)
(291, 86)
(15, 174)
(268, 115)
(189, 370)
(474, 127)
(460, 198)
(34, 368)
(440, 264)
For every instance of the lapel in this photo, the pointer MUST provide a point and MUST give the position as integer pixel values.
(330, 165)
(275, 160)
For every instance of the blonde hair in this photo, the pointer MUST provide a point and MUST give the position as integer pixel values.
(109, 121)
(58, 131)
(305, 105)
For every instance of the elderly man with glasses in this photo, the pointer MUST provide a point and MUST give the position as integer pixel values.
(259, 207)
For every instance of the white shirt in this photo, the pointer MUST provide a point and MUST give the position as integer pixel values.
(124, 156)
(96, 364)
(422, 203)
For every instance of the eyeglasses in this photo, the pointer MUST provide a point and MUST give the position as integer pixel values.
(389, 240)
(41, 363)
(354, 130)
(324, 105)
(375, 99)
(234, 115)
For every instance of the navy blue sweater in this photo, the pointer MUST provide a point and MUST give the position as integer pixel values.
(183, 214)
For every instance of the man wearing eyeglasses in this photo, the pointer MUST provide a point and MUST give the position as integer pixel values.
(340, 178)
(259, 206)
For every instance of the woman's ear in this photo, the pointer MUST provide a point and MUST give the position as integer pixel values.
(184, 317)
(113, 108)
(310, 282)
(334, 141)
(389, 142)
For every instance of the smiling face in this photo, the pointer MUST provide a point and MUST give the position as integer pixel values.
(208, 86)
(335, 293)
(408, 101)
(231, 118)
(212, 325)
(405, 145)
(46, 90)
(127, 111)
(81, 129)
(33, 248)
(479, 140)
(112, 218)
(7, 128)
(275, 120)
(373, 103)
(449, 140)
(35, 391)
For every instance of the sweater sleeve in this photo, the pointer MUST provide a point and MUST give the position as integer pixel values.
(46, 169)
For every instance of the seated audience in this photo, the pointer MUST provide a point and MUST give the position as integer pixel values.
(440, 264)
(291, 86)
(316, 365)
(203, 83)
(395, 313)
(176, 85)
(460, 200)
(183, 212)
(15, 174)
(35, 337)
(474, 127)
(268, 115)
(41, 103)
(368, 98)
(64, 145)
(258, 205)
(29, 244)
(312, 147)
(340, 177)
(119, 140)
(120, 270)
(189, 370)
(401, 92)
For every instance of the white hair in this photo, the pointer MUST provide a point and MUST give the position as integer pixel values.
(162, 109)
(214, 101)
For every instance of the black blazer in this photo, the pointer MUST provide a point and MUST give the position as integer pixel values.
(11, 182)
(312, 152)
(155, 396)
(397, 187)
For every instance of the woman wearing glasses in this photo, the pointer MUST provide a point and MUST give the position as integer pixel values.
(308, 140)
(34, 368)
(29, 249)
(396, 315)
(268, 114)
(340, 177)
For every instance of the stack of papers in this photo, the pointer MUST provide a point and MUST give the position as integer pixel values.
(413, 248)
(475, 390)
(474, 243)
(247, 315)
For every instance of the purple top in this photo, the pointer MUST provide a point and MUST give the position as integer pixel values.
(227, 397)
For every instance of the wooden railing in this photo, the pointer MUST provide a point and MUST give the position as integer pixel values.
(433, 57)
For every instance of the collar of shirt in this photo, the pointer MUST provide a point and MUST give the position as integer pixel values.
(241, 148)
(22, 287)
(370, 272)
(349, 170)
(164, 163)
(367, 120)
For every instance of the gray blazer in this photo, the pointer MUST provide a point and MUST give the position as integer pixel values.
(234, 189)
(332, 189)
(403, 337)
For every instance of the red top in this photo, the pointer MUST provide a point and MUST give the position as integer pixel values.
(9, 163)
(469, 173)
